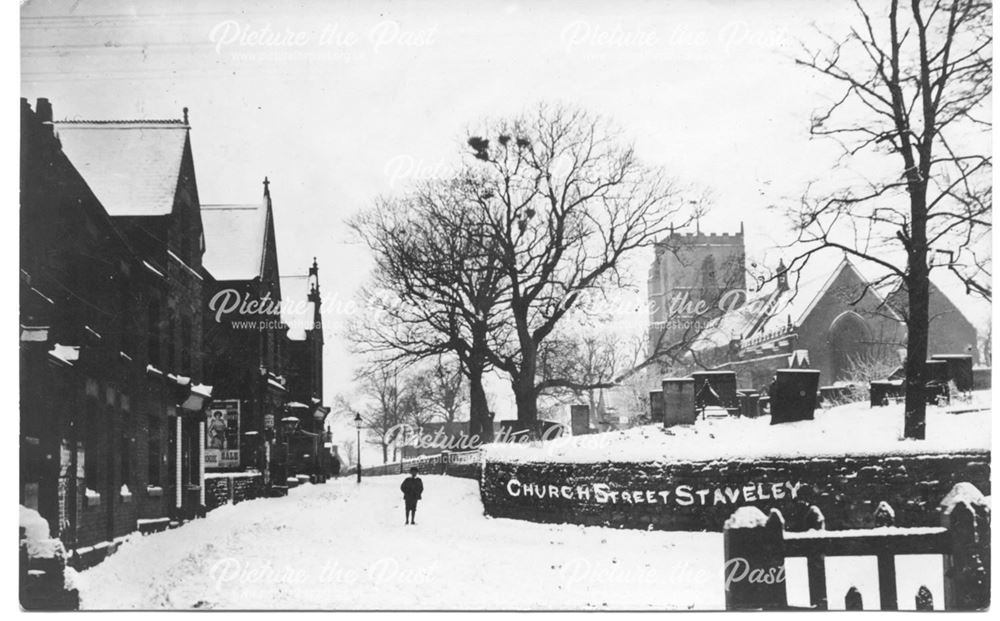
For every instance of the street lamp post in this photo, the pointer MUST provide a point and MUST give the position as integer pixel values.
(357, 423)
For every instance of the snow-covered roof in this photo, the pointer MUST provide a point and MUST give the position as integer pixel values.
(235, 238)
(131, 166)
(806, 286)
(772, 309)
(297, 311)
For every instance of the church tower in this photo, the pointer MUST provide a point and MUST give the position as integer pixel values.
(691, 273)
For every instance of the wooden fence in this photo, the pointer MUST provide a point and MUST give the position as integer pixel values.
(757, 545)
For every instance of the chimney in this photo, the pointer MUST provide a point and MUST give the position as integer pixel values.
(43, 110)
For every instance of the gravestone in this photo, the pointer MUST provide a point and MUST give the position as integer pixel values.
(883, 390)
(656, 406)
(579, 419)
(793, 395)
(959, 369)
(936, 371)
(723, 385)
(749, 403)
(678, 401)
(936, 374)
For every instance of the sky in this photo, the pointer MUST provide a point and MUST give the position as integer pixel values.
(338, 102)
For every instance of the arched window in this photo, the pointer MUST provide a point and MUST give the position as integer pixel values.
(850, 340)
(709, 279)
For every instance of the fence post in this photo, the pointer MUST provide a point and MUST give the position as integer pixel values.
(754, 560)
(816, 563)
(888, 598)
(853, 600)
(924, 600)
(965, 514)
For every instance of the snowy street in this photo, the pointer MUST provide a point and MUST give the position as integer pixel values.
(341, 546)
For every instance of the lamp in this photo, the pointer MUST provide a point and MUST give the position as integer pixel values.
(357, 423)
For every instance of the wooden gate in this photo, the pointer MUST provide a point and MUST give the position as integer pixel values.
(756, 546)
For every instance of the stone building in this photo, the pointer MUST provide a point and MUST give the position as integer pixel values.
(823, 315)
(691, 276)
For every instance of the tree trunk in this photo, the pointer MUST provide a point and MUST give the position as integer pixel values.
(385, 453)
(918, 317)
(526, 398)
(480, 425)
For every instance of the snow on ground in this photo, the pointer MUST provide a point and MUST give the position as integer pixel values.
(344, 546)
(853, 429)
(341, 546)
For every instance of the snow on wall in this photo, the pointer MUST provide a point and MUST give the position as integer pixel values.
(702, 495)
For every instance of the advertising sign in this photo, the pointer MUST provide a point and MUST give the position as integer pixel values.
(222, 435)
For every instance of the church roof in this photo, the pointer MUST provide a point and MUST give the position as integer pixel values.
(774, 310)
(131, 166)
(235, 240)
(297, 312)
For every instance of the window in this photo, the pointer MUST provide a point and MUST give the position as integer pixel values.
(124, 315)
(185, 234)
(125, 455)
(171, 344)
(186, 345)
(92, 446)
(154, 332)
(155, 455)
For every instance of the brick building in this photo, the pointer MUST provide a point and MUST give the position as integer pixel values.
(243, 327)
(111, 380)
(267, 365)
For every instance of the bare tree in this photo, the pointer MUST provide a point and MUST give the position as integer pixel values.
(564, 202)
(915, 80)
(384, 407)
(432, 252)
(442, 389)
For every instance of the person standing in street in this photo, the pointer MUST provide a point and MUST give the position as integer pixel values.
(412, 489)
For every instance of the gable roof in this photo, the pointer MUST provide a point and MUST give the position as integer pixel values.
(235, 240)
(893, 289)
(131, 166)
(297, 311)
(772, 309)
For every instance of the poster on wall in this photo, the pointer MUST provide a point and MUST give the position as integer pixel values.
(222, 435)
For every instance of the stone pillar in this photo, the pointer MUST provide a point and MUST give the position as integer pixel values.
(754, 545)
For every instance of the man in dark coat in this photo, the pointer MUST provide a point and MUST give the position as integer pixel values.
(412, 488)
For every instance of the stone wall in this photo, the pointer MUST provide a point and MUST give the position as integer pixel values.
(700, 496)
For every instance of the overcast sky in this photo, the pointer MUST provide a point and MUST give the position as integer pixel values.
(338, 102)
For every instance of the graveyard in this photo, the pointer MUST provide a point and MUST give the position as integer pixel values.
(842, 430)
(800, 448)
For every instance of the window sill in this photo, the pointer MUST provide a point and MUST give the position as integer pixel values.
(93, 499)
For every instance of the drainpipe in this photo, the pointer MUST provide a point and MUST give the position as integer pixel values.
(178, 461)
(201, 462)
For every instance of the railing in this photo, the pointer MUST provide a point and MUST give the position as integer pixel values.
(427, 464)
(756, 547)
